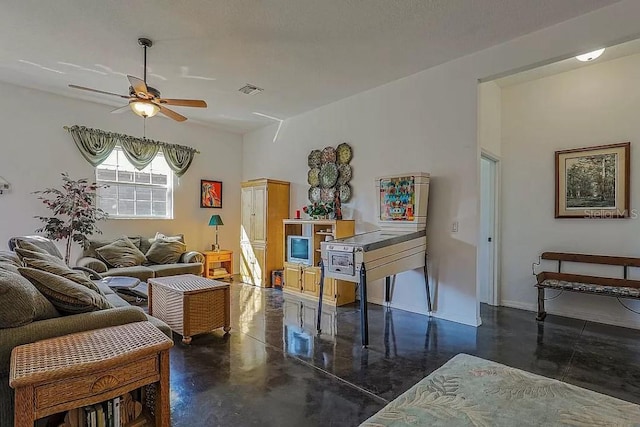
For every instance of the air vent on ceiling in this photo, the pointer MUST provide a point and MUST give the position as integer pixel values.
(249, 89)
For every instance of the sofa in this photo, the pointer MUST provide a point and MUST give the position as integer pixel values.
(190, 262)
(121, 313)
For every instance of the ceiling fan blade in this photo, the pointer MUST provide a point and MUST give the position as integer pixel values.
(183, 102)
(139, 86)
(98, 91)
(172, 114)
(121, 109)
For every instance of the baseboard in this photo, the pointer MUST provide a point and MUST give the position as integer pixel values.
(576, 314)
(452, 317)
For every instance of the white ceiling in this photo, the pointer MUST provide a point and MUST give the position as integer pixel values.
(304, 53)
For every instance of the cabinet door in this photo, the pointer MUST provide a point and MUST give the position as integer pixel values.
(292, 278)
(246, 214)
(263, 277)
(329, 291)
(311, 281)
(259, 232)
(246, 263)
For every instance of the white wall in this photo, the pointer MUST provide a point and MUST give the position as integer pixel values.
(425, 122)
(489, 117)
(34, 150)
(593, 105)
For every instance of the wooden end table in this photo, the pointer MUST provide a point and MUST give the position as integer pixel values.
(190, 304)
(76, 370)
(224, 257)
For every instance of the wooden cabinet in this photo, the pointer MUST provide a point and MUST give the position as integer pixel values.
(304, 280)
(222, 257)
(264, 204)
(311, 281)
(292, 278)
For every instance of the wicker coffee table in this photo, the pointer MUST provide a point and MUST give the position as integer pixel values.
(190, 304)
(75, 370)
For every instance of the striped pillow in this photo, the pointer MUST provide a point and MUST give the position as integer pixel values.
(66, 295)
(121, 253)
(61, 270)
(20, 302)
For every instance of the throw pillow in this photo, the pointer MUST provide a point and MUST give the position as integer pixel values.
(8, 266)
(20, 302)
(25, 253)
(121, 253)
(166, 251)
(160, 236)
(91, 246)
(66, 295)
(38, 244)
(61, 270)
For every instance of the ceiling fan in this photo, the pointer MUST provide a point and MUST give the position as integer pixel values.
(145, 100)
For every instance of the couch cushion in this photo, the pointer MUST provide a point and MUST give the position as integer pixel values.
(25, 253)
(38, 243)
(20, 302)
(104, 288)
(116, 301)
(61, 270)
(166, 251)
(92, 245)
(141, 272)
(162, 270)
(121, 253)
(66, 295)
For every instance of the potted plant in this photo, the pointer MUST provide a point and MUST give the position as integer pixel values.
(318, 210)
(74, 212)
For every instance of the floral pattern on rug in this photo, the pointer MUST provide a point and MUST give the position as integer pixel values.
(469, 391)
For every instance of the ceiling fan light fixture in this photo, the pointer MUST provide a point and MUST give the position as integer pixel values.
(144, 108)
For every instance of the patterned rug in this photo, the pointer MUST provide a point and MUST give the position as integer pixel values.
(469, 391)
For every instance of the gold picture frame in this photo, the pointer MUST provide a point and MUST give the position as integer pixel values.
(593, 182)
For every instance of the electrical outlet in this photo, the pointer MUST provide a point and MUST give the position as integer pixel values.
(454, 227)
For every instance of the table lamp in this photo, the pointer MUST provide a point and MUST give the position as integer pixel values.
(216, 220)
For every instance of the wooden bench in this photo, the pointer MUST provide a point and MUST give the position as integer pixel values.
(607, 286)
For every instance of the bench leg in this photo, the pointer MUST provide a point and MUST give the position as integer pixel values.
(541, 313)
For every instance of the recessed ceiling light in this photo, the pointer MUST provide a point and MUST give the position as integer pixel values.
(586, 57)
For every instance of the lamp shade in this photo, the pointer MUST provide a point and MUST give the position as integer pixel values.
(144, 108)
(215, 220)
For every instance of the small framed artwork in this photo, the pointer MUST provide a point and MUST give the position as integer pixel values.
(210, 194)
(593, 182)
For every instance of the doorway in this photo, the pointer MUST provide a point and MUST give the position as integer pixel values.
(488, 244)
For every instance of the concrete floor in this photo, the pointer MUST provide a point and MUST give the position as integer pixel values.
(272, 369)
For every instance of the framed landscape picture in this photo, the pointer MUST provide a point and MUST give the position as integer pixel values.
(210, 194)
(593, 182)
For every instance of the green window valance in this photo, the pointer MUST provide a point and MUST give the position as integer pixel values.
(95, 145)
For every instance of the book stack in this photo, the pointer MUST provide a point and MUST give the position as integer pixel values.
(121, 411)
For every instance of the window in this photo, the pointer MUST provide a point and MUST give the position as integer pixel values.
(132, 193)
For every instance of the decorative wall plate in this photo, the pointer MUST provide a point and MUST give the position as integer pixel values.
(314, 194)
(344, 174)
(344, 153)
(313, 177)
(328, 155)
(327, 194)
(345, 192)
(314, 159)
(328, 175)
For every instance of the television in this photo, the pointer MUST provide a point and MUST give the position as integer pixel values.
(299, 249)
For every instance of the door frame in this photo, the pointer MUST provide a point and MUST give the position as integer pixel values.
(494, 288)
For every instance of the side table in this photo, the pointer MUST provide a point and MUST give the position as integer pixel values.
(76, 370)
(190, 304)
(224, 257)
